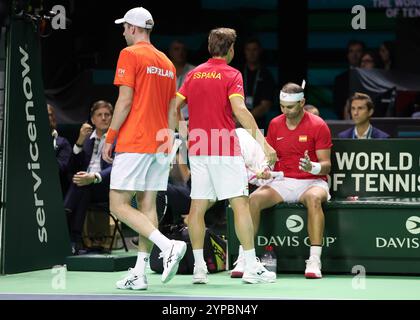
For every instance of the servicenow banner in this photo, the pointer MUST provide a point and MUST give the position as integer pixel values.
(33, 228)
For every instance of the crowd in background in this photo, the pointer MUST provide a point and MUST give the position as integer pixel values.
(85, 176)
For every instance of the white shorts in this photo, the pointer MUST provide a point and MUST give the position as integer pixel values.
(140, 172)
(292, 189)
(218, 177)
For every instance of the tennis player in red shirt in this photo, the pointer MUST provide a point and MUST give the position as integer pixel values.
(303, 145)
(214, 93)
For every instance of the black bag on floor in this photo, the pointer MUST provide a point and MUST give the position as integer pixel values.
(214, 251)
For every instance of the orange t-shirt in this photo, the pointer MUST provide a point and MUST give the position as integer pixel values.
(153, 78)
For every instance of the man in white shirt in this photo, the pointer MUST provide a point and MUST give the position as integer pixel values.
(92, 174)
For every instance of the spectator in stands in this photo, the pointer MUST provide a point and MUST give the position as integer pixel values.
(387, 55)
(259, 84)
(175, 201)
(312, 109)
(341, 89)
(92, 173)
(362, 109)
(62, 150)
(416, 113)
(178, 54)
(369, 60)
(303, 145)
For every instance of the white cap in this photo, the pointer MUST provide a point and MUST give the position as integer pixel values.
(137, 17)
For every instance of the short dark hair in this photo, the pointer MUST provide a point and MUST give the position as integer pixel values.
(101, 104)
(373, 55)
(220, 40)
(253, 40)
(148, 31)
(291, 87)
(364, 97)
(356, 42)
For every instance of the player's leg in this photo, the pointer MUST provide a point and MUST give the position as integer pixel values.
(254, 271)
(262, 198)
(120, 205)
(197, 232)
(313, 198)
(202, 193)
(234, 186)
(131, 172)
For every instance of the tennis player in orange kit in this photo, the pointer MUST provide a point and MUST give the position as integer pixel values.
(145, 107)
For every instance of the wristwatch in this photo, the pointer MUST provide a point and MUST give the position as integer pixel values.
(96, 180)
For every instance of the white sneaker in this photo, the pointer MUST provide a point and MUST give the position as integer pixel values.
(200, 274)
(171, 258)
(313, 268)
(258, 274)
(132, 280)
(239, 264)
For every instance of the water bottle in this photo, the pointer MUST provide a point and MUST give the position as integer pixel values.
(269, 259)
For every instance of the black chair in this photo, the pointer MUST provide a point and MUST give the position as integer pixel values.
(104, 207)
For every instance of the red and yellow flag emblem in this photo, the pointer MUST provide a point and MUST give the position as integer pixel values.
(303, 138)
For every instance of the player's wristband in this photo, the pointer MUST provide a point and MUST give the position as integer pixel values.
(111, 136)
(316, 168)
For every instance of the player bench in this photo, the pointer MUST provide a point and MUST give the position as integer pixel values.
(377, 230)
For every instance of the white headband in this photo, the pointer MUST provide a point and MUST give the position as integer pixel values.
(291, 97)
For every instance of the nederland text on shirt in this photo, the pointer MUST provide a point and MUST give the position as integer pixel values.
(160, 72)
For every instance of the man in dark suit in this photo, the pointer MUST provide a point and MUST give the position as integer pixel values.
(362, 109)
(62, 150)
(341, 89)
(259, 86)
(90, 183)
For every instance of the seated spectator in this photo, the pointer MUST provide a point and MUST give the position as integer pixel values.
(362, 109)
(416, 113)
(178, 55)
(259, 85)
(341, 89)
(387, 55)
(62, 150)
(92, 175)
(369, 60)
(174, 203)
(312, 109)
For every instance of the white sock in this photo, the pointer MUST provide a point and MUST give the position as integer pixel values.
(241, 251)
(250, 257)
(141, 263)
(315, 251)
(199, 257)
(160, 240)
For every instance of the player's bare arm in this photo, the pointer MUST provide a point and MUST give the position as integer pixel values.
(122, 109)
